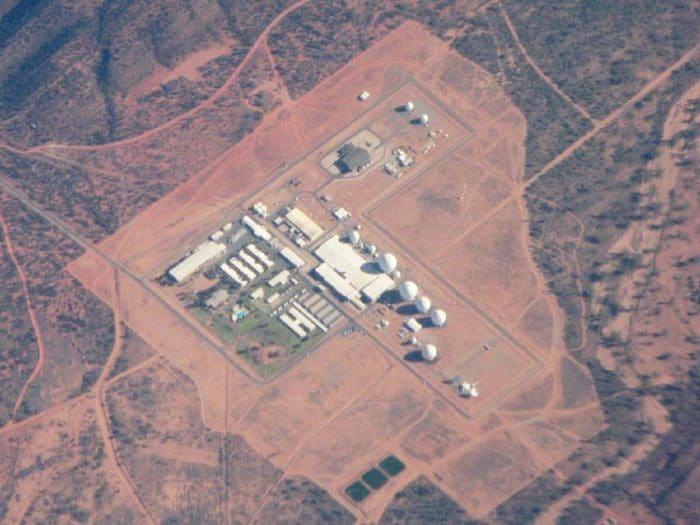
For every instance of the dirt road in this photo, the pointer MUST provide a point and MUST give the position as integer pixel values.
(209, 102)
(101, 408)
(601, 124)
(537, 69)
(30, 309)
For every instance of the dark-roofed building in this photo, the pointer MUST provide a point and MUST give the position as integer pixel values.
(351, 158)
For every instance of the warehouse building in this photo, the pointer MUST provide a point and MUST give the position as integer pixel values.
(348, 273)
(304, 224)
(204, 253)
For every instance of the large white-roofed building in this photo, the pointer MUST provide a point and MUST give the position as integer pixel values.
(203, 254)
(304, 224)
(353, 274)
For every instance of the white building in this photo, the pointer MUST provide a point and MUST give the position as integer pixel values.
(233, 275)
(203, 254)
(291, 257)
(304, 224)
(260, 256)
(281, 278)
(256, 229)
(353, 274)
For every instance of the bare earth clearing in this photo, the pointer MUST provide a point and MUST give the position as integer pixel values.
(306, 421)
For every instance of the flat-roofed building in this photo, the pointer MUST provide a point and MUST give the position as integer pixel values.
(238, 265)
(292, 257)
(251, 262)
(413, 325)
(304, 224)
(217, 298)
(256, 229)
(351, 269)
(374, 290)
(340, 284)
(281, 278)
(233, 275)
(293, 325)
(259, 255)
(203, 254)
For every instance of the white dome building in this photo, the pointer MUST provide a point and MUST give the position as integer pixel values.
(408, 290)
(438, 317)
(423, 304)
(409, 106)
(473, 391)
(424, 118)
(387, 263)
(429, 353)
(354, 236)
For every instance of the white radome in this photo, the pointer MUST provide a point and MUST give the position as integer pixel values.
(423, 304)
(387, 263)
(428, 352)
(372, 249)
(465, 388)
(409, 106)
(408, 290)
(354, 236)
(424, 118)
(473, 391)
(438, 317)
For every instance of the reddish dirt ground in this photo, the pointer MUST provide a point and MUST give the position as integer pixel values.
(307, 421)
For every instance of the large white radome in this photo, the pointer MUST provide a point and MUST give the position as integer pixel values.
(423, 304)
(408, 290)
(428, 352)
(438, 317)
(387, 262)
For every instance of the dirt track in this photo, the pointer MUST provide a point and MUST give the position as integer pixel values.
(537, 69)
(648, 88)
(35, 325)
(209, 102)
(101, 407)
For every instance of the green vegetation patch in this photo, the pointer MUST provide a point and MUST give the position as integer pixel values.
(357, 492)
(375, 478)
(392, 465)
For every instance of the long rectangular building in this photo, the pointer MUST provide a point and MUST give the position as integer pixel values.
(231, 274)
(259, 255)
(203, 254)
(238, 265)
(292, 257)
(256, 229)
